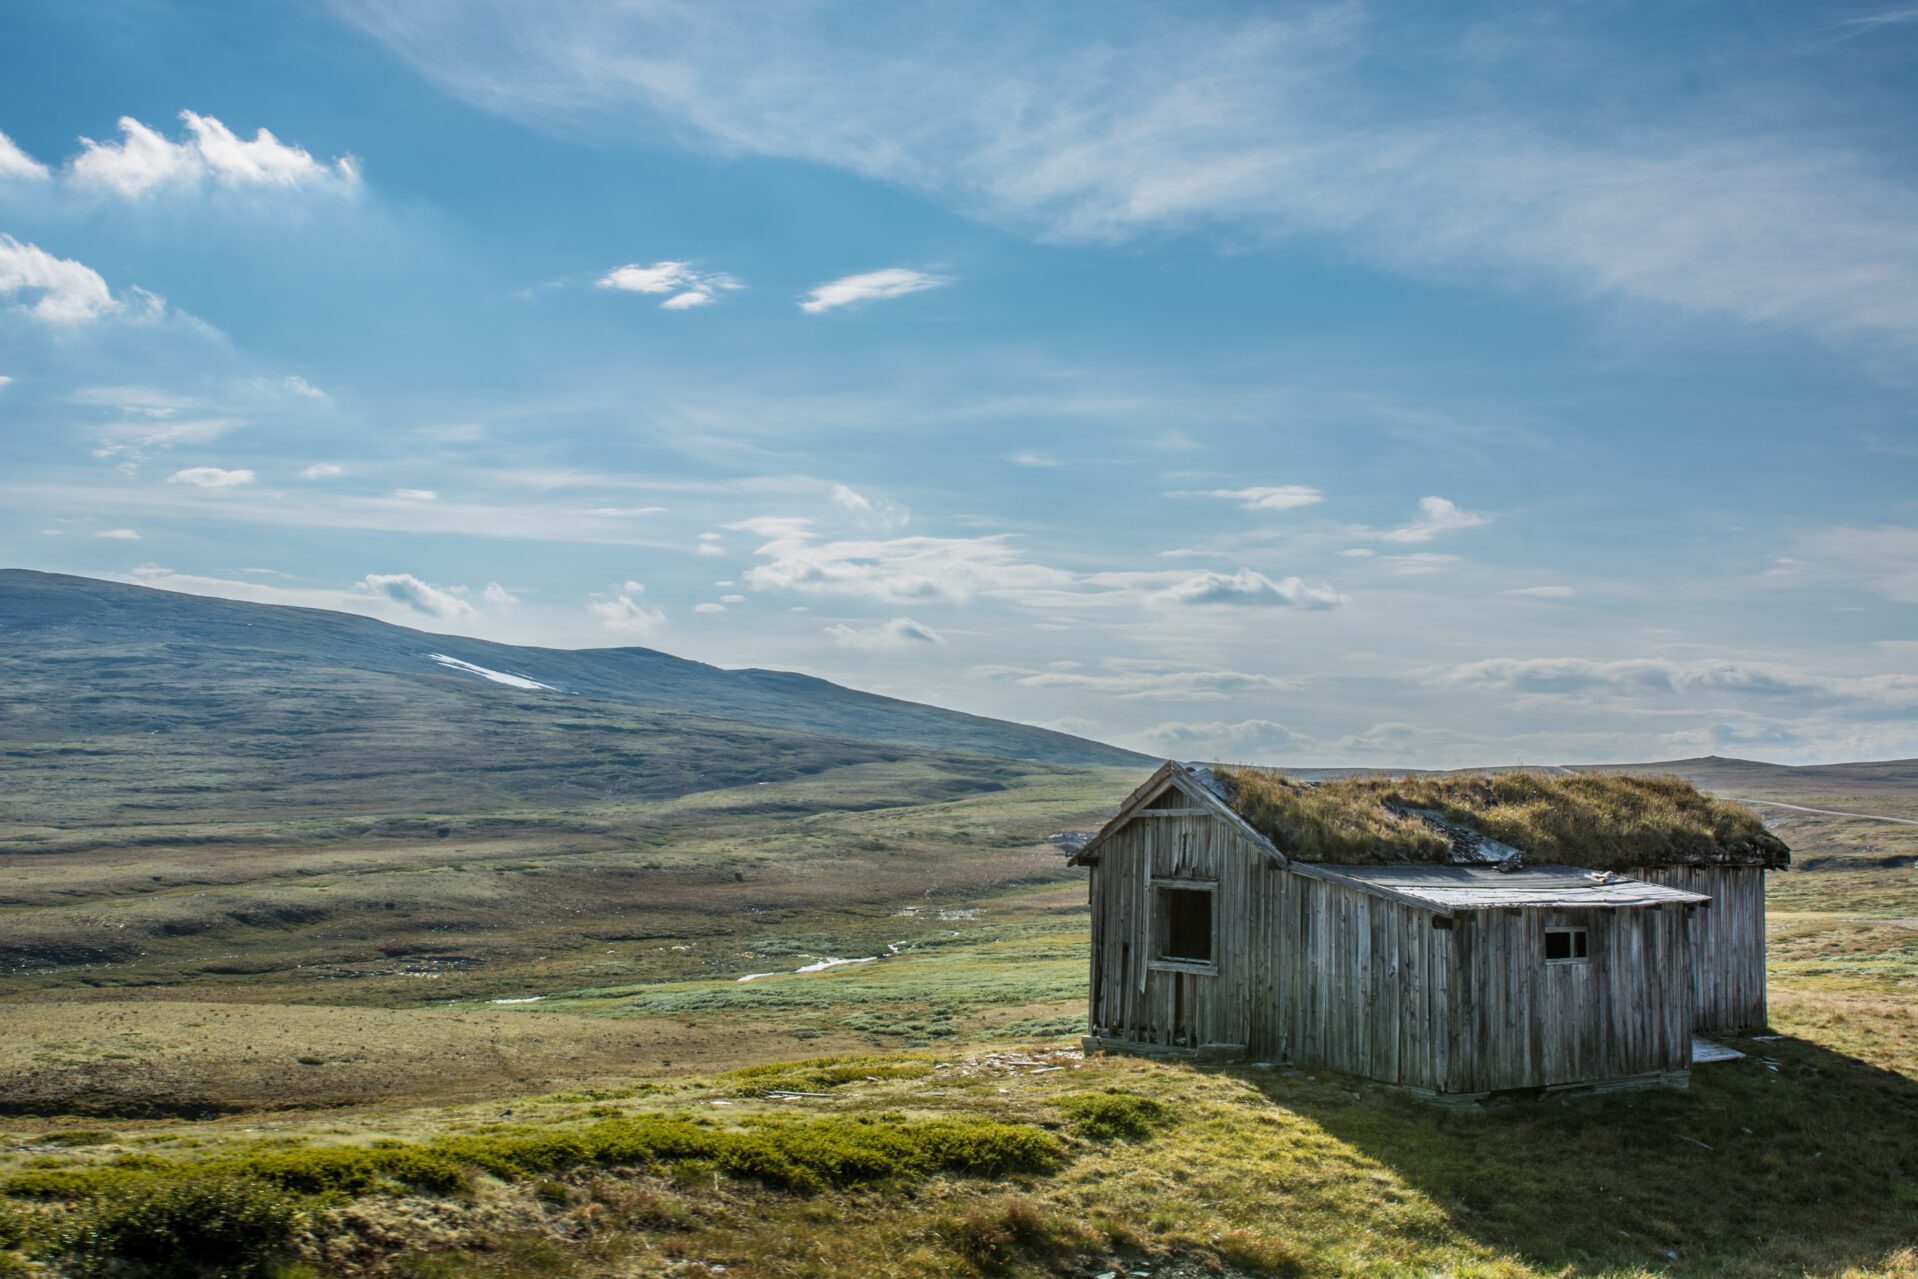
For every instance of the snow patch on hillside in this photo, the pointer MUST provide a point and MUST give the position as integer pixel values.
(497, 677)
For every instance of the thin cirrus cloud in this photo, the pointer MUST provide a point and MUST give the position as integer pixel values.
(1138, 681)
(1436, 515)
(923, 569)
(208, 153)
(684, 286)
(1281, 497)
(1570, 676)
(1262, 736)
(1701, 204)
(212, 477)
(901, 634)
(869, 286)
(1248, 588)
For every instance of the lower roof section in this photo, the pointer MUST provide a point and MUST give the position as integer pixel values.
(1450, 888)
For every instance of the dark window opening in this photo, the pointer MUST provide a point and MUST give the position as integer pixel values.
(1186, 915)
(1565, 945)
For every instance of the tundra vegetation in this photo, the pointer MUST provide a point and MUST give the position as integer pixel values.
(1602, 820)
(312, 974)
(923, 1113)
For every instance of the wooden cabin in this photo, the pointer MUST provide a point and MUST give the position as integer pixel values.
(1433, 957)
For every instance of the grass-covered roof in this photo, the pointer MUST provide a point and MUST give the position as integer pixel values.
(1605, 821)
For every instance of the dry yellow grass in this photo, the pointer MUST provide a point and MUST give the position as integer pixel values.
(1608, 821)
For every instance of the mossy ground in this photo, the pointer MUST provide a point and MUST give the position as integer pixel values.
(1788, 1162)
(1605, 820)
(1796, 1160)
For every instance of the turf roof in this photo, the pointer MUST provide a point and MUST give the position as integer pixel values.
(1605, 821)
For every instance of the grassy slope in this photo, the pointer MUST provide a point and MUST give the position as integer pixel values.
(276, 925)
(1793, 1161)
(1781, 1166)
(125, 659)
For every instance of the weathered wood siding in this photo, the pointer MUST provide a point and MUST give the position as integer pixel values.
(1319, 972)
(1520, 1022)
(1131, 998)
(1306, 970)
(1728, 943)
(1356, 981)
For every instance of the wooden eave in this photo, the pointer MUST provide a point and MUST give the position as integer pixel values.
(1173, 775)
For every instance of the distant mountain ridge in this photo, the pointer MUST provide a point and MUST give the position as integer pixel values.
(198, 632)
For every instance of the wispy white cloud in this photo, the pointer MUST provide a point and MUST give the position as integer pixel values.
(1248, 588)
(619, 610)
(1436, 515)
(898, 635)
(904, 570)
(421, 597)
(925, 569)
(1541, 592)
(1138, 681)
(145, 161)
(63, 292)
(323, 471)
(498, 595)
(869, 286)
(119, 534)
(880, 513)
(1416, 563)
(15, 163)
(1258, 739)
(1281, 123)
(417, 495)
(1575, 675)
(1281, 497)
(688, 287)
(1882, 560)
(211, 477)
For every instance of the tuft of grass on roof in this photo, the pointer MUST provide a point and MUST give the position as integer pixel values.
(1608, 821)
(1330, 822)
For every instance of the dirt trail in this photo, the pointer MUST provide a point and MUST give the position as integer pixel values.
(1825, 812)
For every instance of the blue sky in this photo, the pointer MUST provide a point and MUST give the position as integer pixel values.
(1423, 385)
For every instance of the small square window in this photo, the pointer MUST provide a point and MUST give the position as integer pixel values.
(1185, 925)
(1565, 946)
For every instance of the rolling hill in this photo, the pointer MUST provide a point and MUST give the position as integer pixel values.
(160, 660)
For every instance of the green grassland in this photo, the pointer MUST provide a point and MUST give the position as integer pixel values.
(345, 970)
(604, 1148)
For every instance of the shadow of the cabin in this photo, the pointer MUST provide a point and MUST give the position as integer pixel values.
(1796, 1159)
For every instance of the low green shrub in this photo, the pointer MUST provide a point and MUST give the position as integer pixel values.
(78, 1137)
(785, 1154)
(67, 1183)
(791, 1155)
(219, 1227)
(1104, 1116)
(13, 1227)
(822, 1074)
(998, 1238)
(350, 1170)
